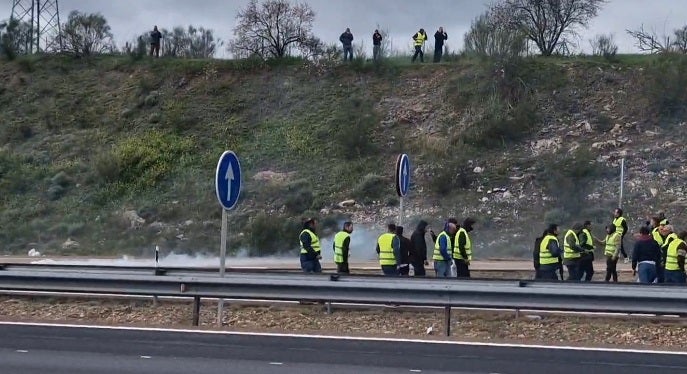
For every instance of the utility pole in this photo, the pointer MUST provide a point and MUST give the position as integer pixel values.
(43, 19)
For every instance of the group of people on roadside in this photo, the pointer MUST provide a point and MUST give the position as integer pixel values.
(658, 254)
(419, 39)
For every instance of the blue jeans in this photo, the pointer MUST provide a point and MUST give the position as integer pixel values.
(674, 276)
(647, 272)
(390, 270)
(309, 265)
(442, 268)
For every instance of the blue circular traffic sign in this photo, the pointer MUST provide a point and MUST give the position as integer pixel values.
(402, 175)
(228, 180)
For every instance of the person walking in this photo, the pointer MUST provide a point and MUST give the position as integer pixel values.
(587, 259)
(342, 245)
(549, 254)
(675, 260)
(443, 248)
(310, 247)
(646, 255)
(439, 38)
(389, 251)
(405, 246)
(535, 253)
(418, 251)
(419, 40)
(155, 37)
(572, 252)
(346, 40)
(611, 252)
(621, 227)
(462, 249)
(376, 45)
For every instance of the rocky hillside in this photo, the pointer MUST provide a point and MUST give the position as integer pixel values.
(117, 155)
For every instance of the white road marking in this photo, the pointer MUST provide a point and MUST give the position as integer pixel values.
(415, 371)
(276, 363)
(145, 357)
(21, 351)
(349, 338)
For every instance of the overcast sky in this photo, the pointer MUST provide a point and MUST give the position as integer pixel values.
(402, 18)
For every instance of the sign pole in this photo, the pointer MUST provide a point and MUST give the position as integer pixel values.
(400, 212)
(222, 263)
(622, 182)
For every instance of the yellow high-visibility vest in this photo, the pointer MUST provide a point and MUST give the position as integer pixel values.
(314, 242)
(339, 239)
(568, 252)
(545, 256)
(437, 250)
(468, 246)
(386, 249)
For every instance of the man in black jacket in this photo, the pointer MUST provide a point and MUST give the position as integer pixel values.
(406, 248)
(418, 251)
(346, 40)
(439, 37)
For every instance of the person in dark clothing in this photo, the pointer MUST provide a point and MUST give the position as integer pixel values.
(535, 254)
(462, 248)
(346, 40)
(572, 252)
(621, 227)
(646, 254)
(405, 247)
(550, 254)
(310, 247)
(587, 260)
(439, 37)
(342, 247)
(418, 250)
(155, 37)
(376, 45)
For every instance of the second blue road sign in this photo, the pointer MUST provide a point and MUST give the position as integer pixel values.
(228, 180)
(402, 175)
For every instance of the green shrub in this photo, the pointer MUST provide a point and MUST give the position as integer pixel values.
(353, 126)
(666, 84)
(271, 234)
(372, 187)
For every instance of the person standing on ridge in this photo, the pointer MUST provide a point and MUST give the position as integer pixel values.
(155, 37)
(405, 246)
(549, 254)
(442, 251)
(389, 251)
(462, 250)
(419, 40)
(342, 245)
(621, 227)
(310, 247)
(346, 40)
(418, 253)
(376, 45)
(439, 37)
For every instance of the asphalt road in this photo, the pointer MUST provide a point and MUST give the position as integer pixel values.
(67, 350)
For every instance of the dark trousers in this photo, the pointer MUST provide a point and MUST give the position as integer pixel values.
(418, 51)
(611, 268)
(348, 52)
(660, 273)
(310, 265)
(622, 247)
(574, 273)
(419, 268)
(438, 52)
(547, 272)
(155, 49)
(404, 271)
(462, 269)
(587, 269)
(342, 268)
(390, 270)
(674, 276)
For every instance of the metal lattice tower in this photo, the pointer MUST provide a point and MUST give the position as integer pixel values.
(43, 17)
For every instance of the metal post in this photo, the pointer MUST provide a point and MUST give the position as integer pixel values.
(196, 310)
(329, 307)
(222, 263)
(447, 320)
(622, 182)
(400, 212)
(157, 258)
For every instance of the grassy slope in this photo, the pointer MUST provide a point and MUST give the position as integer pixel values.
(83, 141)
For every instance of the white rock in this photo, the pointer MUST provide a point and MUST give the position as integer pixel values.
(188, 222)
(70, 244)
(507, 195)
(347, 203)
(653, 191)
(34, 253)
(133, 219)
(478, 170)
(485, 199)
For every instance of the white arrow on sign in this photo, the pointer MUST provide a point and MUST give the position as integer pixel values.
(229, 176)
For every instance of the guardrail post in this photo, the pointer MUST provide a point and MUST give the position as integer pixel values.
(329, 307)
(196, 310)
(447, 320)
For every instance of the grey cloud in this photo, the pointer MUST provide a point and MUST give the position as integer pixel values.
(402, 18)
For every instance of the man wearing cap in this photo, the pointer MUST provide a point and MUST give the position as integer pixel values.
(310, 247)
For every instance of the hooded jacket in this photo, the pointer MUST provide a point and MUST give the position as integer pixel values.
(418, 250)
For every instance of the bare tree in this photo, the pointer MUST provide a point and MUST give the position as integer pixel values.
(87, 34)
(273, 28)
(15, 38)
(680, 43)
(490, 37)
(604, 45)
(547, 22)
(649, 41)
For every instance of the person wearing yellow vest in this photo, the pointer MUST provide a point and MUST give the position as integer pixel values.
(549, 254)
(389, 251)
(443, 248)
(655, 225)
(342, 244)
(587, 259)
(675, 259)
(311, 252)
(621, 227)
(662, 220)
(462, 249)
(572, 252)
(419, 41)
(669, 235)
(611, 252)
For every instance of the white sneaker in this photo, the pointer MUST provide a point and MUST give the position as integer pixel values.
(627, 260)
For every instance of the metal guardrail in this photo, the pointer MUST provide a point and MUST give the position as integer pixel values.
(446, 293)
